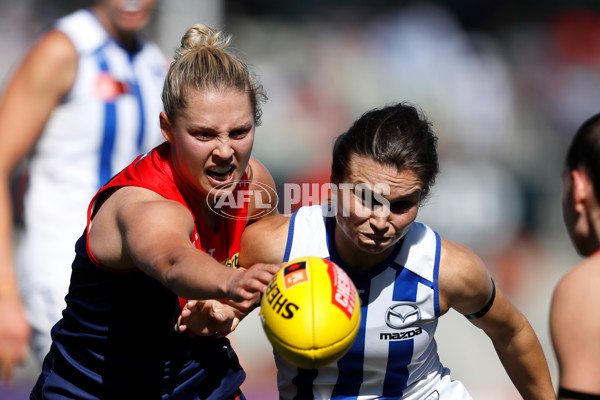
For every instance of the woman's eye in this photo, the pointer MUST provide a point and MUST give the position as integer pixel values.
(363, 196)
(239, 133)
(203, 135)
(400, 206)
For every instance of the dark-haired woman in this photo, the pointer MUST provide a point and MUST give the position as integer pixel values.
(406, 274)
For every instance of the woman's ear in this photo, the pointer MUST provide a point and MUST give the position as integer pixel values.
(166, 127)
(582, 189)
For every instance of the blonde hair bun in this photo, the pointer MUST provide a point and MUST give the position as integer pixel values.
(201, 36)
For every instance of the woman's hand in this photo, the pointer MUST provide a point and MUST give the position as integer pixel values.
(208, 317)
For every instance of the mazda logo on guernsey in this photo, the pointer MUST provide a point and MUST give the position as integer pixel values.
(229, 204)
(402, 315)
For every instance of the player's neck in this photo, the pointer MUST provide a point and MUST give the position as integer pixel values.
(127, 39)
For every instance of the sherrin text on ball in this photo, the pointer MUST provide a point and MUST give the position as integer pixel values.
(310, 312)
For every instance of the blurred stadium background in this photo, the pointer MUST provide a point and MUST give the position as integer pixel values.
(505, 83)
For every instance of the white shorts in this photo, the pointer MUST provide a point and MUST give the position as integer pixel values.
(442, 387)
(44, 272)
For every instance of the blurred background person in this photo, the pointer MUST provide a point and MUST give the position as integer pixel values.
(81, 105)
(574, 321)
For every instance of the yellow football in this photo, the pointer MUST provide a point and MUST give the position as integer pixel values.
(310, 312)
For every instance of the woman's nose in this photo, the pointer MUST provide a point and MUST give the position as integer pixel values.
(223, 149)
(378, 222)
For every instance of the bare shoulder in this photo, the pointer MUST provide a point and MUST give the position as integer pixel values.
(577, 294)
(40, 81)
(264, 241)
(459, 265)
(263, 192)
(575, 325)
(133, 217)
(136, 206)
(56, 45)
(463, 279)
(44, 76)
(54, 54)
(259, 174)
(258, 171)
(585, 276)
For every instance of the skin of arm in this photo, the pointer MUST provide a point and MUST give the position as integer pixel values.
(137, 228)
(264, 241)
(260, 242)
(36, 88)
(574, 328)
(465, 286)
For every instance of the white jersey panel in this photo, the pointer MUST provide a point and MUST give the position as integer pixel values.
(394, 355)
(307, 222)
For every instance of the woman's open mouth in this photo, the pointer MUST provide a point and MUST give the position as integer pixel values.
(221, 175)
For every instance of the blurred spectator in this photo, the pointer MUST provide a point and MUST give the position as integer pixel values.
(574, 321)
(80, 106)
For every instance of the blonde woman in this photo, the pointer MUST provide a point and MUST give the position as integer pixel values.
(153, 238)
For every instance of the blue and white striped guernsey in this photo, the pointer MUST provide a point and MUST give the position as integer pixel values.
(394, 355)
